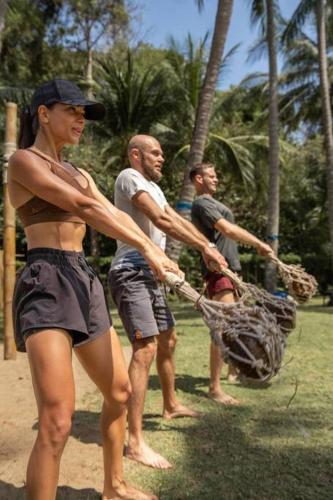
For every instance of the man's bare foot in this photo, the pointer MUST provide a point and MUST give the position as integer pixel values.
(146, 456)
(126, 492)
(180, 411)
(223, 398)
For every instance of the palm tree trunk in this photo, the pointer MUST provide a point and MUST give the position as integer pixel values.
(3, 10)
(203, 113)
(326, 109)
(273, 155)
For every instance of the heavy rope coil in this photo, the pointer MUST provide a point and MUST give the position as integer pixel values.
(248, 334)
(301, 285)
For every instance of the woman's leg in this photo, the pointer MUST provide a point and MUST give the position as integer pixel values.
(50, 357)
(104, 362)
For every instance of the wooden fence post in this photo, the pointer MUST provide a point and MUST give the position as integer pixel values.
(9, 243)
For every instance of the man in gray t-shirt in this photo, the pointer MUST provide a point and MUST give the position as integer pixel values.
(141, 304)
(205, 213)
(216, 222)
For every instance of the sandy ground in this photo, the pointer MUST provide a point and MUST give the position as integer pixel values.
(81, 465)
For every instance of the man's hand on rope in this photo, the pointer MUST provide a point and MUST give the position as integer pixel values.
(213, 259)
(264, 249)
(161, 264)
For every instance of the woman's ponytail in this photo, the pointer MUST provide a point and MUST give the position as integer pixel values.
(28, 128)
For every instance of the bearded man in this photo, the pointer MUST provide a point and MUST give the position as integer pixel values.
(141, 304)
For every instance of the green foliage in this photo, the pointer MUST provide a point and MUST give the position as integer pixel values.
(91, 23)
(150, 90)
(135, 100)
(27, 56)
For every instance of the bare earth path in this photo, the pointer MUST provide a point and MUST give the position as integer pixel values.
(81, 466)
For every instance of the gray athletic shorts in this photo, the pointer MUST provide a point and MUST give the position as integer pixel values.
(140, 301)
(58, 289)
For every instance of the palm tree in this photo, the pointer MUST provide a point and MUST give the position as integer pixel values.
(301, 103)
(266, 12)
(326, 109)
(317, 9)
(234, 146)
(135, 100)
(203, 112)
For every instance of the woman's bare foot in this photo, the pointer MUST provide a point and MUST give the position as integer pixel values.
(223, 398)
(180, 411)
(143, 454)
(126, 492)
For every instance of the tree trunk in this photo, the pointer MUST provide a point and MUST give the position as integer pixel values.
(3, 10)
(89, 74)
(326, 109)
(273, 155)
(203, 114)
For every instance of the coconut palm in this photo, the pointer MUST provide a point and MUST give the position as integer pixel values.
(187, 64)
(135, 100)
(203, 112)
(265, 13)
(317, 10)
(301, 103)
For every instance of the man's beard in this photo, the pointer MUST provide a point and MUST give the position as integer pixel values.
(151, 173)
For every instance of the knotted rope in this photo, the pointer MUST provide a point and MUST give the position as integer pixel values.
(248, 334)
(301, 285)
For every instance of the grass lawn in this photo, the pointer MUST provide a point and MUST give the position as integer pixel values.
(262, 449)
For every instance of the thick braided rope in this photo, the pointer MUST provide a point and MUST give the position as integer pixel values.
(284, 310)
(301, 285)
(248, 335)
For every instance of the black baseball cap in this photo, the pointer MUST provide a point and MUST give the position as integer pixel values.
(65, 92)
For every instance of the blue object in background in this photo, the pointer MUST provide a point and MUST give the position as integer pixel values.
(281, 295)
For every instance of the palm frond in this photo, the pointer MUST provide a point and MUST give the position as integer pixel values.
(298, 19)
(200, 4)
(238, 156)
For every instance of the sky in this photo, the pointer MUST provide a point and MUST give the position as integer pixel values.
(162, 18)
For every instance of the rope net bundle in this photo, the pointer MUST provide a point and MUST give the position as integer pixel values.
(248, 335)
(284, 310)
(301, 285)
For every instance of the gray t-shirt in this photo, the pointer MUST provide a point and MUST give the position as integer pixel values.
(128, 183)
(206, 211)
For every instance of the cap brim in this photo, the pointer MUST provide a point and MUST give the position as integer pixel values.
(93, 110)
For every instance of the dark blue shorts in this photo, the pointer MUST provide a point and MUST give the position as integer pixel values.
(58, 289)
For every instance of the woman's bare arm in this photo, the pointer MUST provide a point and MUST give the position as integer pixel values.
(28, 171)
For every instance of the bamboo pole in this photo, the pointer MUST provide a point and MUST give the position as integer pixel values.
(9, 235)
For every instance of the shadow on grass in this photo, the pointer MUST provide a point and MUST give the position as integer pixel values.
(226, 454)
(316, 309)
(198, 385)
(11, 492)
(221, 461)
(186, 383)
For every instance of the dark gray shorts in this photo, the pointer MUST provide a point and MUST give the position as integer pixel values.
(141, 303)
(58, 289)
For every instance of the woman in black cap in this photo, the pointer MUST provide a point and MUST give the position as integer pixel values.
(59, 302)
